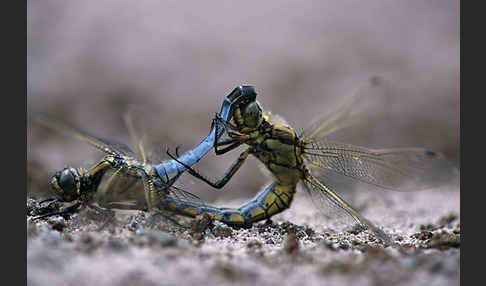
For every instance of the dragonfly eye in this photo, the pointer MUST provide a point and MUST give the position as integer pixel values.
(253, 115)
(65, 184)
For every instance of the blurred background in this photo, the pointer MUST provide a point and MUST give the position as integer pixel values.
(89, 61)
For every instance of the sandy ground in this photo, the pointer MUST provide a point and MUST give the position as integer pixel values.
(296, 247)
(89, 60)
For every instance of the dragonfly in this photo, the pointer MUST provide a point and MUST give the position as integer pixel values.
(310, 159)
(84, 186)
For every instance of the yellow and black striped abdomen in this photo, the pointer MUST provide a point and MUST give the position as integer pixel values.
(274, 199)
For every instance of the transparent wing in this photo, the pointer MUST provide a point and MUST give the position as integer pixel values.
(104, 145)
(368, 101)
(118, 189)
(124, 192)
(178, 193)
(399, 169)
(137, 140)
(336, 209)
(129, 191)
(139, 121)
(175, 194)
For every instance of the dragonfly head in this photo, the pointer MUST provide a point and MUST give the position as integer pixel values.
(248, 114)
(66, 184)
(252, 115)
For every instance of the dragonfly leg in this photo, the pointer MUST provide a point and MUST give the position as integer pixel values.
(234, 144)
(235, 140)
(227, 125)
(51, 200)
(67, 210)
(226, 177)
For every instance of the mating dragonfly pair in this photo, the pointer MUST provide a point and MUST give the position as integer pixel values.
(321, 165)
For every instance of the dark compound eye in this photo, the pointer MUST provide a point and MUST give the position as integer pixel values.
(252, 114)
(66, 180)
(244, 93)
(248, 92)
(64, 184)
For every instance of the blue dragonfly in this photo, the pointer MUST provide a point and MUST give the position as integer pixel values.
(82, 186)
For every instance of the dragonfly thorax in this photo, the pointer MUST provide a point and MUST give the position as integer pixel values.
(277, 147)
